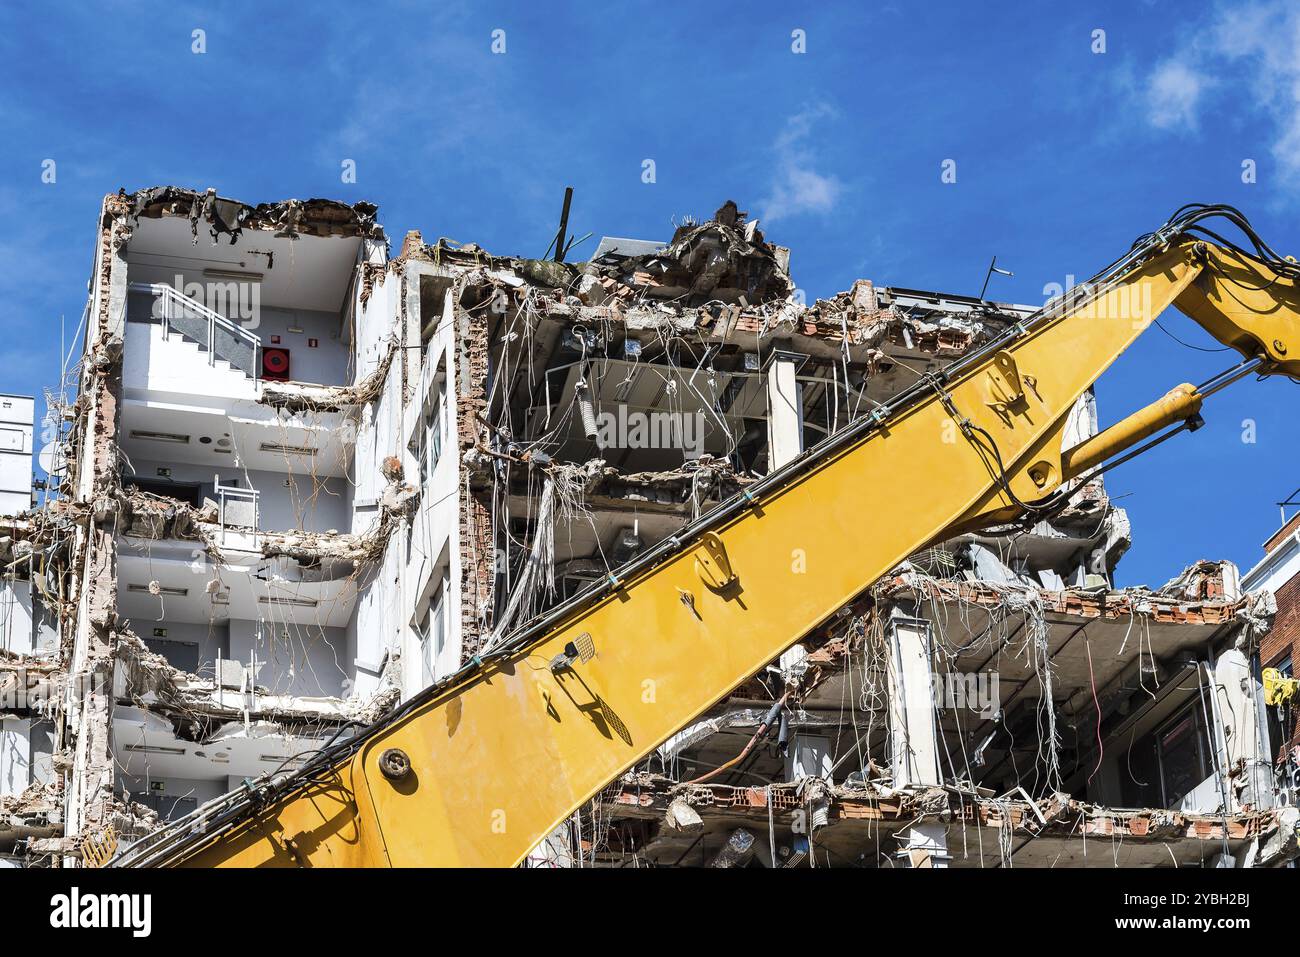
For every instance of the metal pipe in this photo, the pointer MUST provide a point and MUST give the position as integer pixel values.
(1228, 376)
(1179, 404)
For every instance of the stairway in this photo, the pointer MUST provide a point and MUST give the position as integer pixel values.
(174, 363)
(193, 322)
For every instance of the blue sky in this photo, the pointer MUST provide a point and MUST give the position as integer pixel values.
(1063, 156)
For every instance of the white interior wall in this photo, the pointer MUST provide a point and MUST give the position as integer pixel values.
(211, 640)
(174, 365)
(374, 633)
(308, 503)
(377, 319)
(168, 791)
(326, 363)
(304, 660)
(16, 630)
(26, 753)
(421, 555)
(15, 755)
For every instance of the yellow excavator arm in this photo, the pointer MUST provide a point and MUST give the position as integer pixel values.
(476, 770)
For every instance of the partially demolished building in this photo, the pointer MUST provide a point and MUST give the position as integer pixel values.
(301, 479)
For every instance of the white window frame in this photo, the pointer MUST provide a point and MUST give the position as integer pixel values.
(430, 431)
(430, 627)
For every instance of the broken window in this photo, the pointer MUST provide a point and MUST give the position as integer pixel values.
(169, 807)
(1167, 764)
(1281, 722)
(431, 629)
(187, 492)
(426, 444)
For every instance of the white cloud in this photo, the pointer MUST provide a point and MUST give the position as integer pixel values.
(1266, 38)
(1174, 95)
(1252, 52)
(797, 188)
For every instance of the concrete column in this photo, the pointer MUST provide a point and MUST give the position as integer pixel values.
(17, 634)
(913, 730)
(1231, 575)
(913, 733)
(926, 845)
(1081, 423)
(15, 755)
(784, 410)
(1244, 731)
(809, 756)
(90, 693)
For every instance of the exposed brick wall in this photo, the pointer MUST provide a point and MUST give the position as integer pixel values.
(477, 546)
(476, 572)
(1282, 640)
(1286, 626)
(94, 765)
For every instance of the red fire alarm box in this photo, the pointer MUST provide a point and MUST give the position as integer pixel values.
(275, 365)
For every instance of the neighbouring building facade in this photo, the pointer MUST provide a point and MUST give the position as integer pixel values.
(1278, 573)
(303, 477)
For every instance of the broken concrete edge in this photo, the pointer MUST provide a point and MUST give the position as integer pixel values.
(838, 321)
(35, 814)
(223, 216)
(675, 291)
(1211, 606)
(152, 683)
(309, 397)
(681, 490)
(153, 517)
(651, 796)
(831, 647)
(144, 515)
(37, 820)
(697, 260)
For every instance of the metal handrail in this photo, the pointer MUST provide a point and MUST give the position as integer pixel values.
(172, 298)
(226, 492)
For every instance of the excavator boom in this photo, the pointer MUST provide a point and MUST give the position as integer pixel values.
(476, 770)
